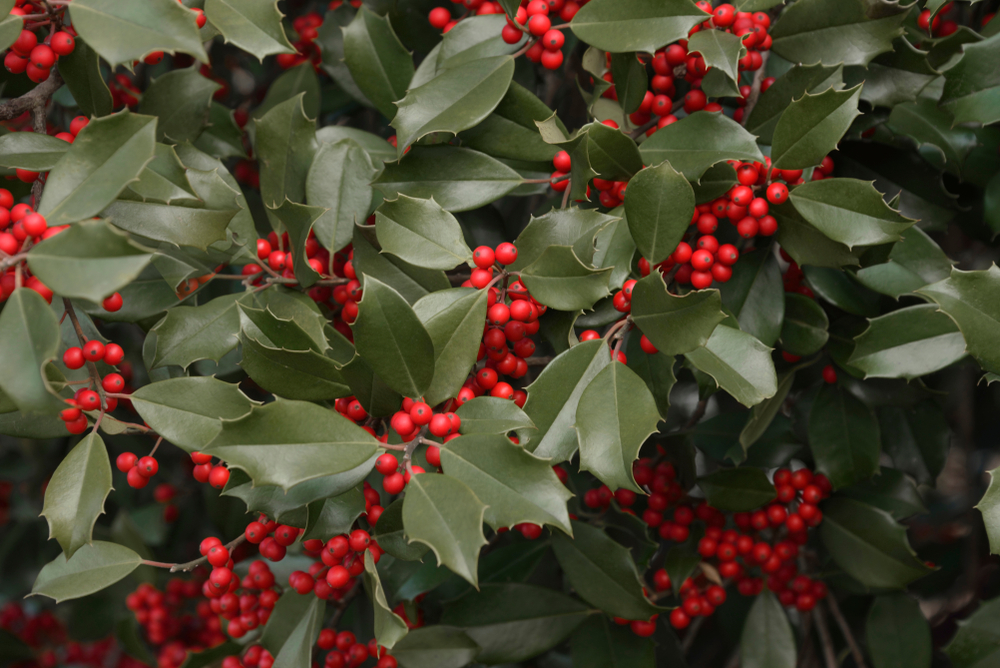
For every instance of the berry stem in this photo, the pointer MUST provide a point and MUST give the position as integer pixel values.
(845, 629)
(156, 446)
(95, 376)
(343, 603)
(525, 48)
(565, 199)
(191, 565)
(829, 656)
(692, 633)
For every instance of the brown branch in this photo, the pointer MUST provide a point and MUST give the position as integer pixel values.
(95, 376)
(845, 629)
(697, 415)
(343, 603)
(36, 97)
(829, 656)
(191, 565)
(758, 79)
(538, 361)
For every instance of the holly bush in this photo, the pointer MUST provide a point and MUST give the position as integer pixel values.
(549, 333)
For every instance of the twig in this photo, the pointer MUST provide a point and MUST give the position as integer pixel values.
(692, 632)
(38, 95)
(697, 415)
(565, 197)
(758, 79)
(95, 376)
(538, 361)
(191, 565)
(829, 656)
(343, 603)
(845, 629)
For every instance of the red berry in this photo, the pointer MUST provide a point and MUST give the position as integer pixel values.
(506, 253)
(89, 400)
(386, 464)
(829, 374)
(553, 40)
(73, 358)
(62, 43)
(126, 461)
(484, 257)
(439, 17)
(218, 477)
(113, 382)
(43, 57)
(77, 124)
(777, 193)
(148, 466)
(93, 350)
(113, 303)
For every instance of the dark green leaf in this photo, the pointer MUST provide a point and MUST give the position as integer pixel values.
(849, 211)
(970, 299)
(338, 181)
(191, 333)
(335, 515)
(913, 263)
(409, 280)
(739, 363)
(767, 640)
(931, 126)
(560, 227)
(391, 536)
(842, 290)
(804, 329)
(806, 244)
(975, 643)
(659, 203)
(898, 633)
(972, 89)
(675, 325)
(755, 296)
(74, 497)
(699, 141)
(920, 439)
(639, 25)
(560, 280)
(453, 319)
(180, 100)
(379, 63)
(737, 490)
(93, 567)
(471, 39)
(419, 231)
(177, 225)
(908, 343)
(285, 143)
(34, 152)
(164, 179)
(600, 643)
(492, 415)
(989, 506)
(253, 25)
(792, 85)
(510, 131)
(389, 627)
(720, 50)
(298, 219)
(812, 126)
(29, 338)
(435, 647)
(843, 436)
(82, 72)
(898, 76)
(891, 491)
(657, 370)
(293, 628)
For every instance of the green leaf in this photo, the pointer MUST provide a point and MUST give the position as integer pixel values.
(698, 141)
(675, 325)
(908, 343)
(970, 299)
(444, 514)
(898, 633)
(989, 506)
(615, 415)
(34, 152)
(293, 374)
(172, 224)
(792, 85)
(379, 63)
(515, 485)
(763, 414)
(806, 244)
(931, 126)
(913, 263)
(339, 181)
(630, 80)
(657, 370)
(122, 34)
(891, 491)
(972, 87)
(378, 149)
(164, 179)
(389, 627)
(898, 76)
(210, 657)
(849, 211)
(191, 333)
(739, 363)
(298, 219)
(342, 490)
(435, 647)
(812, 126)
(755, 295)
(454, 100)
(492, 415)
(188, 411)
(391, 536)
(975, 643)
(285, 143)
(107, 154)
(459, 179)
(767, 640)
(74, 497)
(920, 439)
(638, 25)
(419, 231)
(560, 227)
(737, 490)
(454, 320)
(180, 100)
(602, 572)
(578, 146)
(843, 436)
(29, 338)
(804, 329)
(472, 39)
(560, 280)
(299, 80)
(88, 261)
(253, 25)
(510, 131)
(335, 515)
(555, 395)
(851, 32)
(293, 628)
(392, 340)
(869, 545)
(600, 643)
(612, 153)
(720, 50)
(659, 203)
(223, 138)
(82, 72)
(409, 280)
(92, 568)
(842, 290)
(514, 622)
(680, 562)
(288, 442)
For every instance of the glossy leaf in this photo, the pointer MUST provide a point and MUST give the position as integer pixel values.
(969, 298)
(379, 63)
(285, 143)
(869, 545)
(612, 153)
(172, 224)
(180, 99)
(767, 640)
(849, 211)
(792, 85)
(720, 50)
(989, 506)
(812, 126)
(921, 438)
(419, 231)
(931, 128)
(698, 141)
(972, 89)
(252, 25)
(755, 295)
(444, 514)
(806, 244)
(92, 568)
(804, 329)
(843, 436)
(898, 633)
(389, 627)
(599, 643)
(34, 152)
(410, 281)
(560, 227)
(338, 181)
(510, 131)
(908, 343)
(659, 203)
(643, 25)
(898, 76)
(615, 415)
(74, 497)
(435, 646)
(674, 324)
(492, 415)
(298, 220)
(29, 337)
(191, 333)
(763, 414)
(292, 629)
(82, 72)
(913, 263)
(737, 490)
(657, 370)
(453, 319)
(892, 491)
(560, 280)
(739, 363)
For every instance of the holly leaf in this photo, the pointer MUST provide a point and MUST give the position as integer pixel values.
(806, 244)
(971, 87)
(510, 131)
(173, 224)
(767, 640)
(338, 181)
(657, 370)
(739, 363)
(121, 34)
(435, 647)
(812, 126)
(615, 415)
(763, 414)
(602, 572)
(492, 415)
(188, 411)
(849, 211)
(180, 99)
(74, 497)
(737, 490)
(869, 545)
(515, 485)
(898, 76)
(293, 628)
(989, 506)
(720, 50)
(454, 320)
(612, 153)
(29, 337)
(560, 227)
(411, 281)
(459, 179)
(698, 141)
(630, 80)
(804, 329)
(560, 280)
(514, 622)
(81, 70)
(932, 128)
(252, 25)
(913, 263)
(92, 568)
(106, 156)
(637, 25)
(298, 220)
(472, 39)
(554, 397)
(843, 436)
(675, 325)
(892, 491)
(898, 633)
(389, 627)
(851, 32)
(379, 63)
(335, 515)
(970, 299)
(191, 333)
(920, 439)
(285, 143)
(659, 203)
(164, 179)
(392, 340)
(792, 85)
(393, 539)
(419, 231)
(444, 514)
(454, 100)
(908, 343)
(755, 295)
(599, 643)
(31, 151)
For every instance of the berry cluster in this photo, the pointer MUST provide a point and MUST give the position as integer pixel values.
(87, 399)
(938, 27)
(307, 28)
(533, 19)
(28, 55)
(204, 471)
